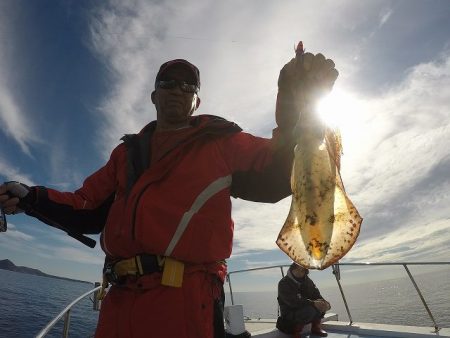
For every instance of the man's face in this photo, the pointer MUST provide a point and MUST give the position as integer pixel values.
(299, 271)
(174, 106)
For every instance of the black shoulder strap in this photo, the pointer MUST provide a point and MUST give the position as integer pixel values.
(138, 154)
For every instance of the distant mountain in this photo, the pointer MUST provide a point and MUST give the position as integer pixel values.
(6, 264)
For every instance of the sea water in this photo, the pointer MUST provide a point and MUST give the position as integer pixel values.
(28, 303)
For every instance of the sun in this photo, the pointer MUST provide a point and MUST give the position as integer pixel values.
(337, 108)
(341, 110)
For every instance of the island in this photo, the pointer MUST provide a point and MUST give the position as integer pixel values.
(6, 264)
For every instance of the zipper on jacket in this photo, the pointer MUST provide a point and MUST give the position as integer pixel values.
(133, 217)
(234, 128)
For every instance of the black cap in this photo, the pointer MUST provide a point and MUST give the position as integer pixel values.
(295, 265)
(179, 62)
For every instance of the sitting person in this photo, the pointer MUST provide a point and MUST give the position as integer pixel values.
(300, 303)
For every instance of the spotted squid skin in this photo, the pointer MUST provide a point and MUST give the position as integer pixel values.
(322, 224)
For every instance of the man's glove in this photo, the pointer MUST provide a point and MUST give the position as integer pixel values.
(302, 82)
(11, 193)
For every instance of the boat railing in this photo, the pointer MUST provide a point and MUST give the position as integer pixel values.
(66, 313)
(337, 275)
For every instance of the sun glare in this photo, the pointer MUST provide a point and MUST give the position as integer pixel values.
(342, 111)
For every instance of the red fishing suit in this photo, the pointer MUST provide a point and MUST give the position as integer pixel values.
(168, 194)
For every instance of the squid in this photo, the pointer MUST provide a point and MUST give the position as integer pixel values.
(322, 224)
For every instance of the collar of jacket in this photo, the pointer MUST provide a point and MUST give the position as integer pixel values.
(294, 279)
(211, 123)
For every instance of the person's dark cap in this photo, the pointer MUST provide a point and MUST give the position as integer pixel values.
(179, 63)
(295, 265)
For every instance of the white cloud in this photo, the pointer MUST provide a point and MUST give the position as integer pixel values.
(64, 176)
(405, 136)
(13, 237)
(13, 120)
(66, 250)
(257, 225)
(125, 36)
(56, 247)
(14, 240)
(83, 255)
(385, 15)
(417, 242)
(10, 173)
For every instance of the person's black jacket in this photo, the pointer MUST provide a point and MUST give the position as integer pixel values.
(294, 294)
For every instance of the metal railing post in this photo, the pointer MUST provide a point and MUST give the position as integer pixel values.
(64, 313)
(231, 290)
(278, 307)
(337, 274)
(436, 328)
(95, 299)
(66, 324)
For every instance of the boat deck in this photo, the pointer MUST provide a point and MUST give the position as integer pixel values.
(265, 328)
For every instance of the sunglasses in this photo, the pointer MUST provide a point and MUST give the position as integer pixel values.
(184, 86)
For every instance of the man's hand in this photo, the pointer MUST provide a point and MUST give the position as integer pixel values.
(302, 82)
(10, 195)
(322, 305)
(309, 77)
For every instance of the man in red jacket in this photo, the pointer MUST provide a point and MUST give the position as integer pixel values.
(162, 202)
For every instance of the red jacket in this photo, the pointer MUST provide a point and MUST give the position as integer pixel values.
(180, 206)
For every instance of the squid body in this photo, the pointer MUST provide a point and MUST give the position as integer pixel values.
(323, 223)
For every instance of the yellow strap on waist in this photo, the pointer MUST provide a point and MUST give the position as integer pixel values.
(128, 267)
(139, 265)
(173, 273)
(133, 266)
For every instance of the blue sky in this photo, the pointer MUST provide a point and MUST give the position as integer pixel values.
(77, 75)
